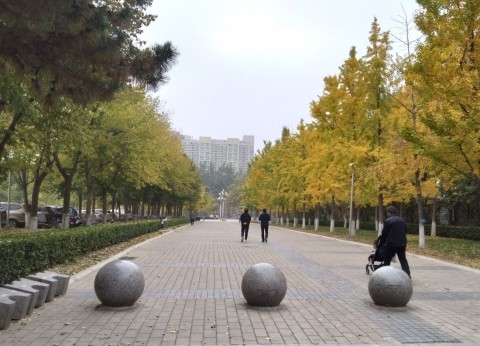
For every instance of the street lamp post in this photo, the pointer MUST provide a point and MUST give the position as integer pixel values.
(222, 195)
(351, 229)
(219, 206)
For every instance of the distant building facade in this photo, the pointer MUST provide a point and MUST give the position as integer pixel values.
(232, 151)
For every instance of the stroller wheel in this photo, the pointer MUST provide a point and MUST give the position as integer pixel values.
(367, 270)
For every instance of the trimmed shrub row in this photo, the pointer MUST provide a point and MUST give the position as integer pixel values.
(24, 254)
(457, 232)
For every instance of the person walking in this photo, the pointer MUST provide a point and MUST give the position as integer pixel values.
(192, 217)
(245, 223)
(264, 219)
(394, 236)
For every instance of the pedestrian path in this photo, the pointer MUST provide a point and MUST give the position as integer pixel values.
(193, 296)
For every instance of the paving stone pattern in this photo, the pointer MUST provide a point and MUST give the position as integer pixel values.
(193, 296)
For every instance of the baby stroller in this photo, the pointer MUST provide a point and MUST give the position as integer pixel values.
(375, 260)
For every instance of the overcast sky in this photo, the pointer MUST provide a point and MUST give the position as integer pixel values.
(251, 67)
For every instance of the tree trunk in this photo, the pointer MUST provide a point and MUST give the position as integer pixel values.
(357, 221)
(43, 167)
(421, 218)
(295, 218)
(303, 220)
(116, 206)
(40, 175)
(67, 175)
(380, 213)
(104, 205)
(22, 180)
(332, 215)
(66, 200)
(89, 196)
(433, 231)
(80, 206)
(32, 210)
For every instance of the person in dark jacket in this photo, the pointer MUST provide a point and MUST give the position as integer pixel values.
(264, 219)
(245, 222)
(394, 235)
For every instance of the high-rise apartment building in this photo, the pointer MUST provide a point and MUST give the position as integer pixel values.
(232, 151)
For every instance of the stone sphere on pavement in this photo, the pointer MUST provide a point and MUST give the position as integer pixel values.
(263, 284)
(390, 286)
(119, 283)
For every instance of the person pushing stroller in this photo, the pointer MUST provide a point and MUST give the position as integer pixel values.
(377, 255)
(391, 245)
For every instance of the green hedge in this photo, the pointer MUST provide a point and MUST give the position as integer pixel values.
(457, 232)
(469, 233)
(338, 223)
(25, 253)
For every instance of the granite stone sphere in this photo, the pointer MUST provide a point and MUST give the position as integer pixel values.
(390, 286)
(119, 283)
(264, 285)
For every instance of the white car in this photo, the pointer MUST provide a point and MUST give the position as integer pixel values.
(16, 215)
(99, 215)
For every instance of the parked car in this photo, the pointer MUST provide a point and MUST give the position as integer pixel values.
(74, 218)
(96, 215)
(16, 214)
(125, 217)
(99, 216)
(41, 218)
(53, 218)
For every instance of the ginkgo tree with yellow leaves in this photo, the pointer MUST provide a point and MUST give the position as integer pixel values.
(337, 134)
(262, 188)
(404, 126)
(446, 75)
(261, 182)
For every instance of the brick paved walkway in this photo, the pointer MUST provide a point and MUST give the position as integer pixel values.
(193, 297)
